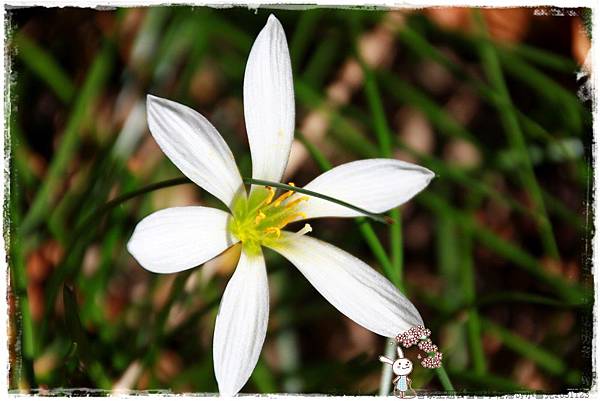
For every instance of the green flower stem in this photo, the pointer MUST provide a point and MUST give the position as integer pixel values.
(515, 136)
(386, 141)
(385, 382)
(444, 379)
(545, 86)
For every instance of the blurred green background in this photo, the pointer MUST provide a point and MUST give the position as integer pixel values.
(495, 253)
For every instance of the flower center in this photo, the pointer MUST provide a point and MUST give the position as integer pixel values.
(259, 218)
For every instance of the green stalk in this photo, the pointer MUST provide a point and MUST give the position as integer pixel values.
(444, 379)
(473, 320)
(544, 85)
(387, 373)
(503, 297)
(98, 213)
(22, 373)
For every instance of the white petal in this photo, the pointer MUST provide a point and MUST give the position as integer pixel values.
(269, 102)
(194, 146)
(376, 185)
(179, 238)
(350, 285)
(241, 324)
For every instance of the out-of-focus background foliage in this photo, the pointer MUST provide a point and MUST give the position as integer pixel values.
(495, 253)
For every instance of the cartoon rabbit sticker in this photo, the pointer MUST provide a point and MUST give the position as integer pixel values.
(401, 367)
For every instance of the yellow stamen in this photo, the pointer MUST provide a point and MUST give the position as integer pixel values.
(259, 217)
(291, 218)
(284, 196)
(275, 230)
(295, 202)
(270, 196)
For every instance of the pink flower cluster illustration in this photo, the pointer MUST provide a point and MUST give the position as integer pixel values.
(419, 335)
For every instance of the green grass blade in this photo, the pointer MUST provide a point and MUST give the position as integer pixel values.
(44, 66)
(302, 34)
(541, 57)
(570, 292)
(385, 138)
(95, 79)
(487, 382)
(515, 136)
(473, 319)
(553, 364)
(263, 379)
(404, 92)
(322, 61)
(422, 47)
(341, 130)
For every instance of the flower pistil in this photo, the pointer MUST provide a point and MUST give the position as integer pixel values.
(259, 219)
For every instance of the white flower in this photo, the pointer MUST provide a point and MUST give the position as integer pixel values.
(180, 238)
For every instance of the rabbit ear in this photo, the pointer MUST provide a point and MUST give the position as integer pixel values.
(400, 353)
(385, 359)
